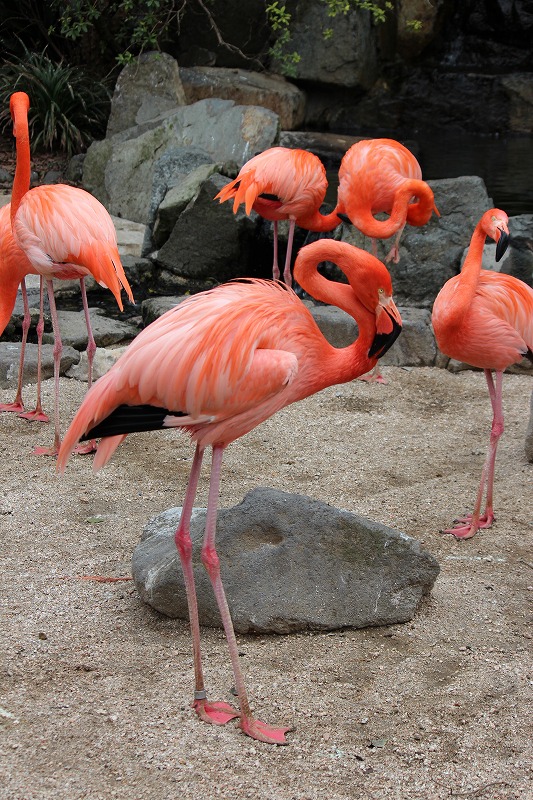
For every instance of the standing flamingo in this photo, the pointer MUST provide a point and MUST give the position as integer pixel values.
(65, 233)
(485, 319)
(279, 184)
(14, 266)
(219, 364)
(382, 175)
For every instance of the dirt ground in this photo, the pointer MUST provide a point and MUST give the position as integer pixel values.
(96, 687)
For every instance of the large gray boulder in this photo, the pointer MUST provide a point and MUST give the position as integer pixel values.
(119, 170)
(106, 330)
(146, 88)
(289, 563)
(247, 88)
(208, 243)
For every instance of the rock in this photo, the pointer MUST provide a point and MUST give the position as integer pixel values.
(146, 88)
(416, 346)
(347, 58)
(106, 330)
(247, 88)
(104, 358)
(226, 239)
(289, 563)
(119, 169)
(529, 433)
(153, 308)
(130, 236)
(10, 358)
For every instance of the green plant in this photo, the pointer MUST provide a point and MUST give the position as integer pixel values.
(68, 108)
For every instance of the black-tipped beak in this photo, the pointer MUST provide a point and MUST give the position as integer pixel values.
(345, 218)
(384, 341)
(502, 245)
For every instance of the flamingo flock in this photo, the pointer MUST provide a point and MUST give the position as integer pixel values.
(225, 360)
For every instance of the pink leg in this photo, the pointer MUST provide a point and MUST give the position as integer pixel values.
(251, 726)
(58, 349)
(394, 253)
(18, 405)
(473, 522)
(90, 447)
(287, 277)
(38, 415)
(216, 713)
(374, 376)
(275, 265)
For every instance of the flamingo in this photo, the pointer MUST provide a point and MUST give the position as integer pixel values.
(281, 184)
(383, 175)
(219, 364)
(14, 266)
(485, 319)
(65, 233)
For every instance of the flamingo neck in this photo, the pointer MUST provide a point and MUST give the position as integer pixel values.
(402, 210)
(321, 222)
(21, 183)
(352, 360)
(468, 278)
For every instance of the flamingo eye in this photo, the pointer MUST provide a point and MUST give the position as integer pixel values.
(381, 291)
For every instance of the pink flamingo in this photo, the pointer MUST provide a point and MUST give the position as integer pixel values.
(485, 319)
(216, 366)
(281, 184)
(382, 175)
(14, 266)
(65, 233)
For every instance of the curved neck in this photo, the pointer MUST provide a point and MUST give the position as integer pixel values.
(21, 183)
(402, 211)
(354, 359)
(468, 278)
(320, 222)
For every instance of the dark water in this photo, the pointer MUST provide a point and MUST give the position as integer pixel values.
(505, 164)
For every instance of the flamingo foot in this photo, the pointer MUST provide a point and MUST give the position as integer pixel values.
(485, 520)
(37, 415)
(461, 531)
(86, 449)
(46, 451)
(263, 732)
(464, 528)
(373, 377)
(15, 407)
(393, 255)
(215, 713)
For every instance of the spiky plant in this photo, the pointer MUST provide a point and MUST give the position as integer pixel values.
(68, 108)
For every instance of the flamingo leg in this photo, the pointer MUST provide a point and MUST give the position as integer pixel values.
(394, 253)
(90, 447)
(275, 265)
(374, 376)
(216, 713)
(287, 277)
(469, 524)
(58, 349)
(38, 415)
(249, 725)
(18, 405)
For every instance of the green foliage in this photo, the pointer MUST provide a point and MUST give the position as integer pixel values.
(280, 20)
(68, 108)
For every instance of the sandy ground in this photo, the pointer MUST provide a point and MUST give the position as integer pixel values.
(96, 687)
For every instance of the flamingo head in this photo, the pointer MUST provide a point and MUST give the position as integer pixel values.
(18, 102)
(375, 293)
(495, 223)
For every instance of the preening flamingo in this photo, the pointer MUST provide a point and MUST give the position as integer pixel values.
(485, 319)
(216, 366)
(65, 233)
(382, 175)
(14, 266)
(280, 184)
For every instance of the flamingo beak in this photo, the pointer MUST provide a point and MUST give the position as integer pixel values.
(502, 244)
(388, 328)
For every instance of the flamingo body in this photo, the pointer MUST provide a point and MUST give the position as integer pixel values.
(283, 184)
(218, 365)
(64, 233)
(382, 175)
(485, 319)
